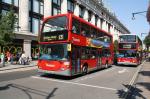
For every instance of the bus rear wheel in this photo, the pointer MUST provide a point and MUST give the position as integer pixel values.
(84, 69)
(106, 65)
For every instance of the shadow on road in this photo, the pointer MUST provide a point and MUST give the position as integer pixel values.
(6, 87)
(28, 90)
(145, 73)
(131, 93)
(131, 66)
(144, 84)
(60, 77)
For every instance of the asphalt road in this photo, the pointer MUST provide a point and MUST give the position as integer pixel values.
(17, 74)
(109, 83)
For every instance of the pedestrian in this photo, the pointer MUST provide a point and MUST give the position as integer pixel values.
(23, 58)
(149, 56)
(8, 55)
(12, 58)
(18, 57)
(2, 59)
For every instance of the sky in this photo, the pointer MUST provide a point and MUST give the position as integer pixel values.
(123, 9)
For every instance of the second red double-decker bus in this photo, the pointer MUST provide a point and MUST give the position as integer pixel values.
(130, 50)
(70, 45)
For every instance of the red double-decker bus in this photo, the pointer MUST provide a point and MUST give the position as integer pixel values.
(69, 45)
(130, 50)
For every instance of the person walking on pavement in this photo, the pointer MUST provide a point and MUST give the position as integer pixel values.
(2, 59)
(8, 54)
(23, 58)
(149, 56)
(11, 58)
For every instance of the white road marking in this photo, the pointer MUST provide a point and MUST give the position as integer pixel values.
(122, 71)
(94, 75)
(74, 83)
(18, 69)
(135, 75)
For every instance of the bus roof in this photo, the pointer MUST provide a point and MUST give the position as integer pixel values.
(81, 19)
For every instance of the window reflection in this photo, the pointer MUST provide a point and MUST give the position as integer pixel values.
(7, 1)
(35, 25)
(54, 52)
(127, 38)
(36, 6)
(16, 2)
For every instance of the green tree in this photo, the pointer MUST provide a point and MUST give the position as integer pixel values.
(7, 26)
(147, 41)
(116, 46)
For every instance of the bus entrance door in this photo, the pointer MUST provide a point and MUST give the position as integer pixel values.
(99, 59)
(76, 60)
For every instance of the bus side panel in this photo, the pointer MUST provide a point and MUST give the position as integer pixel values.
(92, 63)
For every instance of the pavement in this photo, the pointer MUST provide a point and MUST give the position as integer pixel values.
(143, 82)
(141, 87)
(9, 66)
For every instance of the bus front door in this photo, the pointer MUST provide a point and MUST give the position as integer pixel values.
(76, 60)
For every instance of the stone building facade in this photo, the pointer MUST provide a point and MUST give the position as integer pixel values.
(31, 12)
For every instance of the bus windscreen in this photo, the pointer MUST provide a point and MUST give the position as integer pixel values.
(54, 29)
(53, 52)
(127, 38)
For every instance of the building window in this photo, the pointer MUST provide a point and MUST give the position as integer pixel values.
(101, 23)
(7, 1)
(16, 3)
(56, 11)
(41, 8)
(4, 12)
(109, 27)
(30, 24)
(96, 20)
(17, 23)
(30, 5)
(81, 12)
(70, 6)
(56, 7)
(35, 25)
(57, 2)
(36, 6)
(89, 16)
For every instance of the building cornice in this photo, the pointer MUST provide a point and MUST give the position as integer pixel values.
(95, 6)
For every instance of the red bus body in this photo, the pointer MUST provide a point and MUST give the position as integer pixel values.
(71, 52)
(130, 51)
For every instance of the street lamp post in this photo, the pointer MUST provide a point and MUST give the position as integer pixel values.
(133, 14)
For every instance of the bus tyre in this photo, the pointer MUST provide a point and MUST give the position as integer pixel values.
(106, 65)
(84, 70)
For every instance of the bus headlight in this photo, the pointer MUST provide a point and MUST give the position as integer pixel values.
(66, 63)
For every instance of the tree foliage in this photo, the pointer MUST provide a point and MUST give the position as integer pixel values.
(147, 41)
(148, 14)
(7, 26)
(116, 46)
